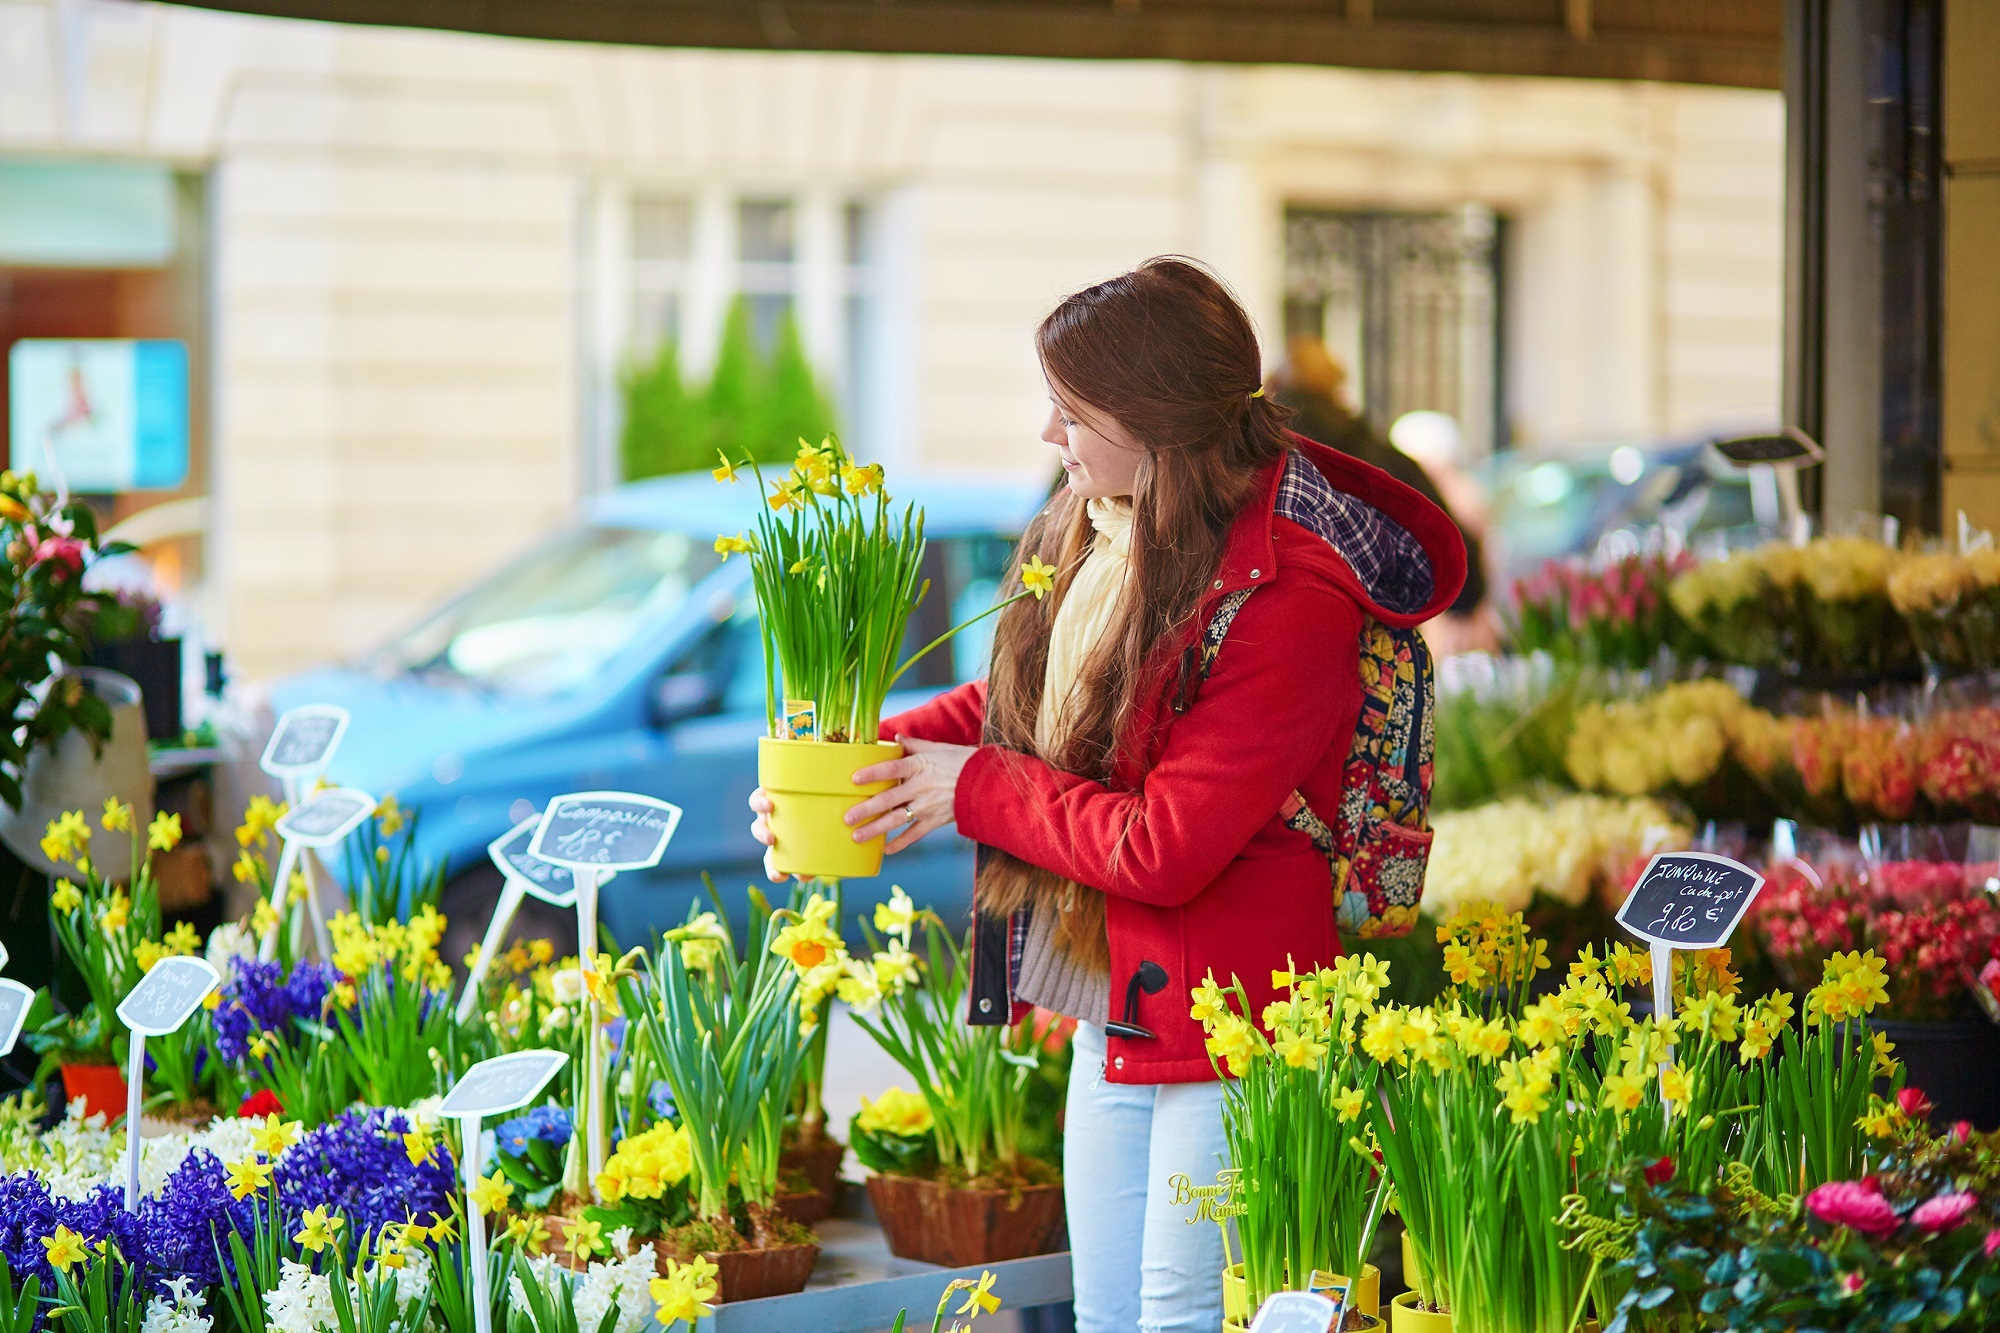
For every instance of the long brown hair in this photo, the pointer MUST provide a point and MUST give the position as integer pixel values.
(1167, 353)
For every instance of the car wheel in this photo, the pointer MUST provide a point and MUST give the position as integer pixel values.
(467, 903)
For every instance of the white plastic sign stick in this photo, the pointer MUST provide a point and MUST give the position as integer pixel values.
(3, 954)
(504, 1083)
(165, 998)
(303, 742)
(323, 819)
(15, 1001)
(1294, 1312)
(512, 890)
(596, 834)
(475, 1228)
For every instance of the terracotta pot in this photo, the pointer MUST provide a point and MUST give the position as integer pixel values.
(1404, 1317)
(101, 1088)
(959, 1228)
(750, 1275)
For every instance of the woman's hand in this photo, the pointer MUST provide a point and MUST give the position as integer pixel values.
(924, 797)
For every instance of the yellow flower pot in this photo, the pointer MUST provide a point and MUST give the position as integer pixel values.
(1367, 1294)
(811, 786)
(1404, 1317)
(1235, 1293)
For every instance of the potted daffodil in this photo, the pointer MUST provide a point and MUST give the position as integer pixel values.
(837, 572)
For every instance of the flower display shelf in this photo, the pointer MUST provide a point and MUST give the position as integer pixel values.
(858, 1285)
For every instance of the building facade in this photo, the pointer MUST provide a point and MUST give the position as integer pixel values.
(412, 266)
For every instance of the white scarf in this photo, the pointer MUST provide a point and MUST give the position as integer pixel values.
(1086, 610)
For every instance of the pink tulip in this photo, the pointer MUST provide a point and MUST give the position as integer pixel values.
(1914, 1104)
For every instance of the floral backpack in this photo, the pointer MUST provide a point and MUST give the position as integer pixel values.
(1378, 842)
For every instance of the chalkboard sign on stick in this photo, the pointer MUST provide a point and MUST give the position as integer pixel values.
(167, 996)
(15, 1000)
(605, 831)
(304, 740)
(503, 1083)
(326, 817)
(1689, 900)
(553, 884)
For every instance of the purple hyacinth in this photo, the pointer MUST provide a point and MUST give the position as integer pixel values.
(358, 1164)
(258, 997)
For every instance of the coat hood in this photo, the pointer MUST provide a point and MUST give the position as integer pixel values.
(1400, 555)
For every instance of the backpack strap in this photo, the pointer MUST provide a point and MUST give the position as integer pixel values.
(1377, 845)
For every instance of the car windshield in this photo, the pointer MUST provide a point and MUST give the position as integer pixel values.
(550, 620)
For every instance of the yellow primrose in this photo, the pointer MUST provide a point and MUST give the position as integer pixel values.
(896, 1111)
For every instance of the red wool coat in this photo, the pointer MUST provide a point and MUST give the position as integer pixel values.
(1209, 878)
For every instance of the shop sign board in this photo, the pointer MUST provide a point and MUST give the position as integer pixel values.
(112, 411)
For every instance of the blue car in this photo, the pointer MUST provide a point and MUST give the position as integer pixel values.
(624, 654)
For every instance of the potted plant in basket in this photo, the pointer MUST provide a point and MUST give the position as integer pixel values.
(976, 1196)
(724, 1032)
(837, 575)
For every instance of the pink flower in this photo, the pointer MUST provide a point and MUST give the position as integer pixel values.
(1857, 1205)
(1850, 1283)
(1992, 1242)
(1914, 1104)
(1961, 1130)
(1943, 1212)
(65, 550)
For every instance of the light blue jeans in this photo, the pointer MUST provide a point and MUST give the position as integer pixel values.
(1139, 1265)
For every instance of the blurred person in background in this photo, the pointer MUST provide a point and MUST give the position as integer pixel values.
(1310, 382)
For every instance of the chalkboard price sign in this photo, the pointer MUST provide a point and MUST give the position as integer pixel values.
(15, 1000)
(167, 996)
(553, 884)
(325, 817)
(504, 1083)
(304, 741)
(1689, 900)
(605, 830)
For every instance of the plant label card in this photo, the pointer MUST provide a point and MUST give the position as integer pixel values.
(15, 1000)
(3, 954)
(605, 831)
(553, 884)
(504, 1083)
(325, 817)
(1689, 900)
(167, 996)
(304, 741)
(1294, 1312)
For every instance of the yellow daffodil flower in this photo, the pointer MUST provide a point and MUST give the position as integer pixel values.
(1037, 577)
(273, 1135)
(726, 546)
(1676, 1084)
(117, 816)
(247, 1177)
(685, 1292)
(725, 471)
(64, 1249)
(148, 953)
(898, 916)
(66, 898)
(978, 1295)
(491, 1194)
(390, 816)
(320, 1229)
(419, 1143)
(1348, 1104)
(164, 833)
(585, 1238)
(117, 912)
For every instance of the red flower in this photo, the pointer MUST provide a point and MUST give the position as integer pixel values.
(1914, 1104)
(1961, 1130)
(1857, 1205)
(261, 1103)
(1851, 1283)
(1660, 1172)
(67, 551)
(1992, 1242)
(1943, 1212)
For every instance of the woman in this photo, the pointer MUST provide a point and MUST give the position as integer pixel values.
(1135, 768)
